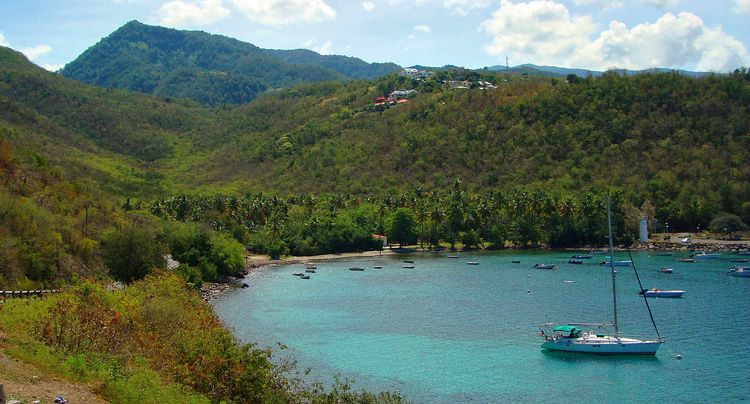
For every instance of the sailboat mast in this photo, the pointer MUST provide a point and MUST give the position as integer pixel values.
(612, 264)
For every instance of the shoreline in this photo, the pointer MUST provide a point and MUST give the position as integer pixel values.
(211, 290)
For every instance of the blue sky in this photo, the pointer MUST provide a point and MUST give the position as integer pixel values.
(594, 34)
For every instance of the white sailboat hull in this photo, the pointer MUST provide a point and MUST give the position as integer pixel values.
(602, 345)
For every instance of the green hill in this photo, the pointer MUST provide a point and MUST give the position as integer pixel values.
(210, 69)
(676, 141)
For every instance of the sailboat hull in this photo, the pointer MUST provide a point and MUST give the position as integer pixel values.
(603, 345)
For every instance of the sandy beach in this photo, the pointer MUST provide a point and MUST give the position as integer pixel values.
(260, 261)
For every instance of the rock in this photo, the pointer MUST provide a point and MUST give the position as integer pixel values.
(245, 286)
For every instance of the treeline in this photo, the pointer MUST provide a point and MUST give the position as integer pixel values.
(315, 224)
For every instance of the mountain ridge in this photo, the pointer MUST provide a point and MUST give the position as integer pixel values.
(208, 68)
(564, 71)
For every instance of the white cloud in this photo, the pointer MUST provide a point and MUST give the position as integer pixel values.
(539, 31)
(681, 41)
(34, 52)
(368, 5)
(544, 32)
(462, 7)
(604, 4)
(661, 3)
(3, 41)
(180, 13)
(284, 12)
(741, 6)
(324, 49)
(423, 28)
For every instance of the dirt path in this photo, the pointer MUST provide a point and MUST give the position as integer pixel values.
(24, 382)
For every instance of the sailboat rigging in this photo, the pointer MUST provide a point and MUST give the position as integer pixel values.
(573, 338)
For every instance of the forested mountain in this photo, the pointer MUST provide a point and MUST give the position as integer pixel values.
(676, 142)
(210, 69)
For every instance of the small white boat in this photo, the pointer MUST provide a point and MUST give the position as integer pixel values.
(625, 263)
(310, 270)
(666, 270)
(311, 266)
(581, 257)
(472, 263)
(654, 292)
(544, 266)
(298, 274)
(357, 268)
(705, 256)
(740, 272)
(409, 266)
(685, 260)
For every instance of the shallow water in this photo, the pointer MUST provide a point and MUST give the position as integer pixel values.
(450, 332)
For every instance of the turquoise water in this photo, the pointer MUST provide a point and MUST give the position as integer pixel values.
(450, 332)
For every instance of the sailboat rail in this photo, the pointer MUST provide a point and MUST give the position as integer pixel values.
(592, 324)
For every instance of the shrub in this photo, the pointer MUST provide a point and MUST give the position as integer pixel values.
(132, 251)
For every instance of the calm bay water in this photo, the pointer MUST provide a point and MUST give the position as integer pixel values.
(446, 331)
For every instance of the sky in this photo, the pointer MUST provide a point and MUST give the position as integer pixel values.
(696, 35)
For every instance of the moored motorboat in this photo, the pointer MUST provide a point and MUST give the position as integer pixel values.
(305, 277)
(740, 272)
(408, 261)
(739, 260)
(575, 261)
(298, 274)
(472, 263)
(544, 266)
(311, 266)
(409, 266)
(654, 292)
(515, 262)
(624, 263)
(310, 270)
(357, 268)
(685, 260)
(581, 257)
(705, 256)
(452, 256)
(378, 267)
(664, 254)
(666, 270)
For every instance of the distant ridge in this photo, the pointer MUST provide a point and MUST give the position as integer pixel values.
(210, 69)
(564, 71)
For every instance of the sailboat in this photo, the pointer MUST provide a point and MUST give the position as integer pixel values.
(573, 338)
